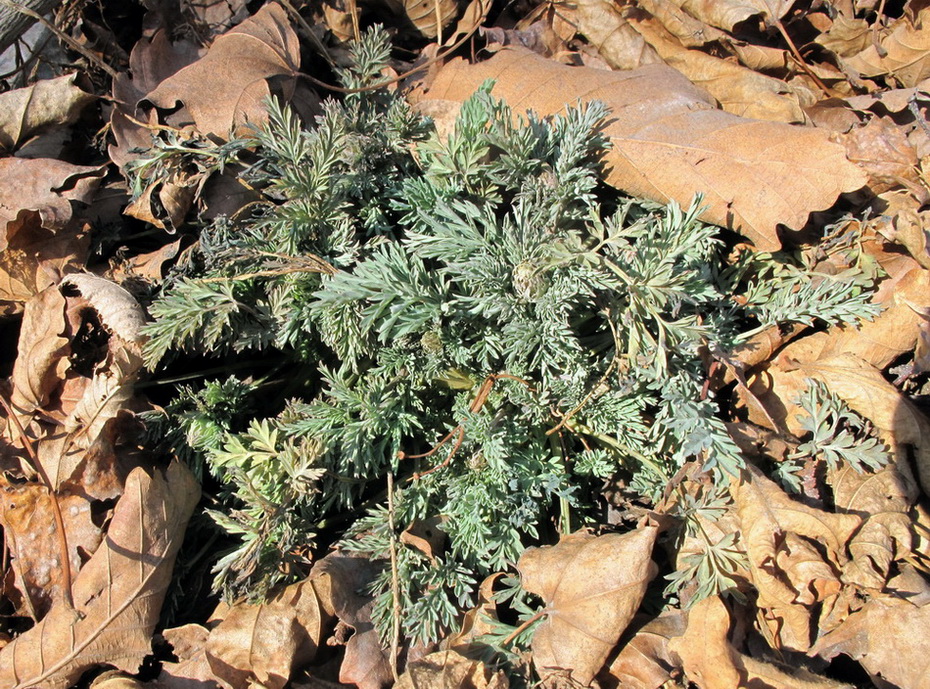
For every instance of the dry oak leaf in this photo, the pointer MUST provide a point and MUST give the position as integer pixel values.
(883, 498)
(711, 662)
(605, 26)
(591, 586)
(671, 143)
(264, 643)
(228, 87)
(889, 638)
(117, 595)
(905, 52)
(739, 90)
(766, 516)
(450, 670)
(44, 104)
(846, 36)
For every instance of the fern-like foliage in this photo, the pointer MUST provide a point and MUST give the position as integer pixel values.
(489, 324)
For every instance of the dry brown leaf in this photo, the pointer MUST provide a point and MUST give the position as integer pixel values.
(888, 636)
(669, 143)
(216, 16)
(589, 599)
(228, 86)
(725, 14)
(689, 31)
(265, 642)
(46, 186)
(906, 52)
(739, 90)
(884, 499)
(704, 649)
(346, 579)
(450, 670)
(430, 17)
(152, 61)
(645, 661)
(42, 354)
(882, 149)
(32, 538)
(766, 516)
(614, 37)
(35, 258)
(846, 37)
(192, 671)
(118, 593)
(44, 104)
(711, 662)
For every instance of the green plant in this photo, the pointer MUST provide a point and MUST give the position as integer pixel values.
(494, 331)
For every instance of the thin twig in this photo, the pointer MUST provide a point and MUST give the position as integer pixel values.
(522, 628)
(879, 48)
(395, 580)
(62, 36)
(56, 508)
(799, 59)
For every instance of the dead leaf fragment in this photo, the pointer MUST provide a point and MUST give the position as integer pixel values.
(346, 579)
(228, 86)
(905, 52)
(43, 185)
(118, 593)
(646, 661)
(450, 670)
(789, 574)
(888, 636)
(266, 642)
(711, 662)
(669, 142)
(44, 104)
(589, 599)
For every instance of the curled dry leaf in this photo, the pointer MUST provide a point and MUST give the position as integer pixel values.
(450, 670)
(36, 258)
(44, 104)
(346, 578)
(42, 355)
(788, 574)
(606, 28)
(227, 87)
(711, 662)
(905, 52)
(118, 593)
(264, 643)
(669, 142)
(590, 598)
(883, 499)
(888, 636)
(646, 661)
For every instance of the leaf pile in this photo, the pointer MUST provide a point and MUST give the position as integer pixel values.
(477, 401)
